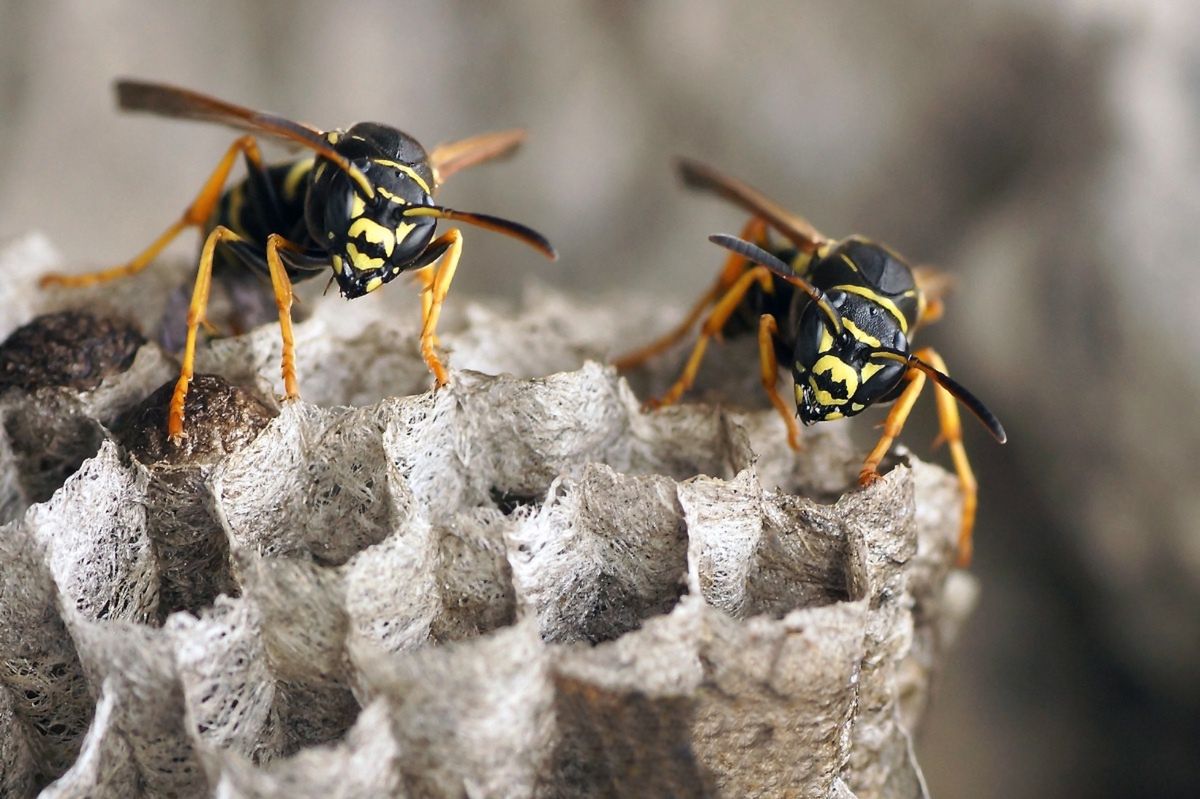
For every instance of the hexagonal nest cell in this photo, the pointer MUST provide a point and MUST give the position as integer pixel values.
(518, 585)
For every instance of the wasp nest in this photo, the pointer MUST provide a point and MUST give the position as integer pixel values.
(520, 585)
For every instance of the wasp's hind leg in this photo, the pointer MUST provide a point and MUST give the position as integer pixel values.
(196, 215)
(755, 230)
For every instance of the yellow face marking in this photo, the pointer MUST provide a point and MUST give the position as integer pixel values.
(826, 343)
(839, 372)
(358, 206)
(880, 300)
(854, 406)
(291, 182)
(360, 260)
(338, 264)
(868, 371)
(375, 233)
(829, 417)
(407, 170)
(373, 284)
(860, 334)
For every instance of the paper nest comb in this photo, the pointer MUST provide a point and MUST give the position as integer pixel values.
(520, 586)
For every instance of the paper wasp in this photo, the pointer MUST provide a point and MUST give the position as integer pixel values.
(362, 204)
(842, 314)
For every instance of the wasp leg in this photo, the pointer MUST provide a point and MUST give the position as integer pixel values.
(426, 277)
(768, 329)
(283, 301)
(452, 241)
(735, 265)
(196, 312)
(712, 327)
(951, 433)
(195, 216)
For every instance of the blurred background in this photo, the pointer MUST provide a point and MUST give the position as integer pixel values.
(1047, 154)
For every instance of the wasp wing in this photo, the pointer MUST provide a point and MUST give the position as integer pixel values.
(795, 228)
(446, 159)
(172, 101)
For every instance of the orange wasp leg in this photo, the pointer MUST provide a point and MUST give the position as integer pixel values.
(768, 329)
(951, 433)
(712, 327)
(735, 265)
(196, 215)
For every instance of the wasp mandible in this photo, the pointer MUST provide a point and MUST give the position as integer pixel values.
(362, 205)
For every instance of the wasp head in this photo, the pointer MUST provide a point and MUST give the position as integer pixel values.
(837, 373)
(364, 228)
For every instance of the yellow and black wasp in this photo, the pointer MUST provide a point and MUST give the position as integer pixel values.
(362, 205)
(842, 314)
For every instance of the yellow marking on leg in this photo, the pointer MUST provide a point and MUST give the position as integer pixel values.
(447, 265)
(196, 215)
(735, 265)
(282, 287)
(195, 318)
(712, 327)
(767, 330)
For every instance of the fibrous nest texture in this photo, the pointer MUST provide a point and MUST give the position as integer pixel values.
(520, 585)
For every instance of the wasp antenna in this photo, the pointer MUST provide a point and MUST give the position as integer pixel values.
(957, 389)
(752, 252)
(756, 254)
(494, 223)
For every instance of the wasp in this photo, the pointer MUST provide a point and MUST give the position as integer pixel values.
(841, 314)
(361, 204)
